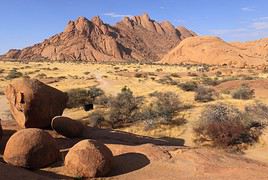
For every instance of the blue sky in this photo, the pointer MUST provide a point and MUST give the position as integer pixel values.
(26, 22)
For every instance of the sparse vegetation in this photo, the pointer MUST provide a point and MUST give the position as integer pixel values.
(166, 105)
(226, 126)
(204, 94)
(78, 97)
(243, 92)
(188, 86)
(13, 74)
(124, 108)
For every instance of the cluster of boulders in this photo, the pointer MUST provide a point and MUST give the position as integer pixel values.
(37, 107)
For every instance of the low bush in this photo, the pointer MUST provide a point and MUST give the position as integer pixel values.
(96, 119)
(94, 92)
(204, 94)
(78, 97)
(162, 109)
(244, 92)
(188, 86)
(226, 126)
(124, 108)
(13, 74)
(167, 80)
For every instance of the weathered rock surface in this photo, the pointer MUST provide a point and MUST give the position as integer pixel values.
(67, 127)
(33, 103)
(31, 148)
(138, 38)
(1, 131)
(213, 50)
(88, 158)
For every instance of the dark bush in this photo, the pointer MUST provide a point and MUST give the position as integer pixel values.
(258, 112)
(225, 126)
(96, 119)
(78, 97)
(167, 80)
(162, 109)
(204, 94)
(244, 92)
(188, 86)
(124, 108)
(94, 92)
(13, 74)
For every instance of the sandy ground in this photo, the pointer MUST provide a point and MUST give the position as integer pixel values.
(187, 161)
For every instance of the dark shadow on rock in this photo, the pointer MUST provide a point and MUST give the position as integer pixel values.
(7, 133)
(173, 140)
(52, 175)
(110, 136)
(66, 143)
(128, 162)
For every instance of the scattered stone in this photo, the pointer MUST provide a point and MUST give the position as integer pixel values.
(31, 148)
(33, 103)
(88, 158)
(67, 127)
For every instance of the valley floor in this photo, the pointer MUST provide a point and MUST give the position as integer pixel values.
(180, 158)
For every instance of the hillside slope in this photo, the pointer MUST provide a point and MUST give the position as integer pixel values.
(213, 50)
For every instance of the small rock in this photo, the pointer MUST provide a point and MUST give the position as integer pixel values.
(31, 148)
(67, 127)
(88, 158)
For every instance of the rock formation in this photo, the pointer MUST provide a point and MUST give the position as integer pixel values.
(213, 50)
(67, 127)
(137, 39)
(88, 158)
(31, 148)
(33, 103)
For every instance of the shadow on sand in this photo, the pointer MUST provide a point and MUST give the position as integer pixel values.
(128, 162)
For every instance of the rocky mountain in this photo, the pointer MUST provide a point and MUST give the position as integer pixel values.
(213, 50)
(138, 38)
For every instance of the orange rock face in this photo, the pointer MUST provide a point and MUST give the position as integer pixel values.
(31, 148)
(213, 50)
(33, 104)
(133, 39)
(88, 158)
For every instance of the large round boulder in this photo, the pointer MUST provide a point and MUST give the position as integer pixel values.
(33, 103)
(67, 127)
(31, 148)
(88, 158)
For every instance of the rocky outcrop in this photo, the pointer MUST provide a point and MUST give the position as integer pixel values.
(33, 104)
(88, 158)
(133, 39)
(67, 127)
(31, 148)
(213, 50)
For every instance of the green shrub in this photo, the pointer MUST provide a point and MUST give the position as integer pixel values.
(167, 80)
(94, 92)
(162, 109)
(204, 94)
(244, 92)
(188, 86)
(78, 97)
(124, 108)
(13, 74)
